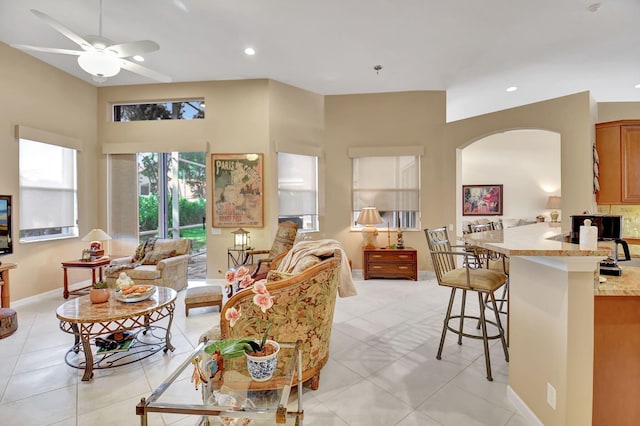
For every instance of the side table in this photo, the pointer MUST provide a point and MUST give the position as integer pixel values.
(390, 263)
(83, 264)
(237, 257)
(5, 288)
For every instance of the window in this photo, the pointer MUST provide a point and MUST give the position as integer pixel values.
(298, 190)
(392, 185)
(180, 110)
(48, 191)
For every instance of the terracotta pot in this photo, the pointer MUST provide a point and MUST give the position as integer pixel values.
(261, 368)
(99, 295)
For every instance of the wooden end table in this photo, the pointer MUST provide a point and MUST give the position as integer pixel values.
(83, 264)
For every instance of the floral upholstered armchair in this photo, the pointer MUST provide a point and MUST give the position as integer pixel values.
(303, 306)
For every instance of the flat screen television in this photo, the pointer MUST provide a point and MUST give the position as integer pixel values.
(6, 240)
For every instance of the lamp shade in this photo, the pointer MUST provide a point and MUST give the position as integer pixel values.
(96, 234)
(99, 63)
(554, 202)
(369, 216)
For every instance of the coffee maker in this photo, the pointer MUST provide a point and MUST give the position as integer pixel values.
(609, 229)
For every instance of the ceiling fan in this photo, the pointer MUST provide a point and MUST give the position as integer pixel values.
(100, 57)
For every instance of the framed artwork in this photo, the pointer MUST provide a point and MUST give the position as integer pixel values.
(482, 200)
(238, 198)
(86, 255)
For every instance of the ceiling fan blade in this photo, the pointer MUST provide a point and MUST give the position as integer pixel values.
(63, 30)
(48, 49)
(132, 48)
(146, 72)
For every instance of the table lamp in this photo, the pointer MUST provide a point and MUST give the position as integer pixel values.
(554, 204)
(368, 217)
(240, 239)
(96, 236)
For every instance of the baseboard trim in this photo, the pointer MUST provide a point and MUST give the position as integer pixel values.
(522, 408)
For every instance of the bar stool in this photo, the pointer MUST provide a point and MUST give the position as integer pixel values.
(495, 262)
(480, 281)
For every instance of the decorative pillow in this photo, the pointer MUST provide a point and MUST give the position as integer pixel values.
(155, 256)
(144, 248)
(274, 275)
(305, 263)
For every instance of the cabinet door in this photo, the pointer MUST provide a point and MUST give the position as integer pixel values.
(608, 146)
(630, 138)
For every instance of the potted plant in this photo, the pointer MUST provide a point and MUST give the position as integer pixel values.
(262, 353)
(99, 292)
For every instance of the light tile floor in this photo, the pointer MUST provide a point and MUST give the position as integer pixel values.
(382, 368)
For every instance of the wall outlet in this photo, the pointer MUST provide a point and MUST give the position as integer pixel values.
(216, 231)
(551, 396)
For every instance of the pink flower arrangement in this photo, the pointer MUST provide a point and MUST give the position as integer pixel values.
(261, 299)
(240, 276)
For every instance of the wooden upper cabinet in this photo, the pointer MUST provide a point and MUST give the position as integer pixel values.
(608, 147)
(618, 146)
(630, 137)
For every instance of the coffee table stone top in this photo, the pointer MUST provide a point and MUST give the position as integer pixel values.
(81, 310)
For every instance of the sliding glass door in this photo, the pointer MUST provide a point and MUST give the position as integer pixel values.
(171, 201)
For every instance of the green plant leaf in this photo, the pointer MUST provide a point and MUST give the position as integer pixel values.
(230, 348)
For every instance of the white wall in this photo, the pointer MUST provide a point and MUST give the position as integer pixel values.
(526, 162)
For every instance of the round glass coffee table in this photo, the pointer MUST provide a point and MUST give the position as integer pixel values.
(145, 337)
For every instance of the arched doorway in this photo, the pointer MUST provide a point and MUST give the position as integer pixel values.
(526, 162)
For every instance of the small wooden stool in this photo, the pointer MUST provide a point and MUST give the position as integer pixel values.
(198, 297)
(8, 322)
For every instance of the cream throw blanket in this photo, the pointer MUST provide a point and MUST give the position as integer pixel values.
(326, 247)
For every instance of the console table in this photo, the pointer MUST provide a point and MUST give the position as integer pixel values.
(5, 288)
(390, 263)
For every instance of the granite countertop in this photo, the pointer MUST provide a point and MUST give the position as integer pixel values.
(538, 239)
(626, 285)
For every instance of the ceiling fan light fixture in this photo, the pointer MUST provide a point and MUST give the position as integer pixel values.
(99, 64)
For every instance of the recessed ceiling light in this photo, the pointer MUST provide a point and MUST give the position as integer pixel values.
(250, 51)
(138, 58)
(512, 89)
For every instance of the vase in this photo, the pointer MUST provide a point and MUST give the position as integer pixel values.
(261, 368)
(99, 295)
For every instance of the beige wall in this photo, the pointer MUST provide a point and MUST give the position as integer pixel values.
(39, 96)
(241, 116)
(380, 120)
(613, 111)
(257, 115)
(570, 116)
(236, 121)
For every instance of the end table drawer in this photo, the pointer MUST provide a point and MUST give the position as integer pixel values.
(390, 263)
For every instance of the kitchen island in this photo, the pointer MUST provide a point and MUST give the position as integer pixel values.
(551, 321)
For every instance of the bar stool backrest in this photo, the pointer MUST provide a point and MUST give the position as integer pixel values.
(440, 248)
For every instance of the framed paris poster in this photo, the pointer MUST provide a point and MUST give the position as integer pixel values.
(238, 190)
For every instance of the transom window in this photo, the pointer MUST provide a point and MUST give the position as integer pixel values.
(177, 110)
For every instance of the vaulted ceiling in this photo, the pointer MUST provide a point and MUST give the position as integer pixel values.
(472, 49)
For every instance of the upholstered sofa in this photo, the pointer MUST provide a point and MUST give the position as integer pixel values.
(303, 307)
(163, 263)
